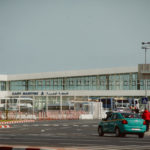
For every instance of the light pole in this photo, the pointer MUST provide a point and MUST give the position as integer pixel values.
(145, 46)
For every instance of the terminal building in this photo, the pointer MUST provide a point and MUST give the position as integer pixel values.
(53, 90)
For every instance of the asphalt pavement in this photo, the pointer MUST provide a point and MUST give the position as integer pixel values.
(69, 134)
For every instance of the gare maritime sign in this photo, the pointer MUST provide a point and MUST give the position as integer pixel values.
(41, 93)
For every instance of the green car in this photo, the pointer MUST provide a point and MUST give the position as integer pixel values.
(121, 124)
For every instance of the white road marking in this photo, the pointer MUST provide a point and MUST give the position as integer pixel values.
(35, 125)
(95, 125)
(85, 125)
(136, 142)
(65, 125)
(55, 125)
(46, 125)
(24, 125)
(75, 125)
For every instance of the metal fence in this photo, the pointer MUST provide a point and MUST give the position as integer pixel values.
(49, 115)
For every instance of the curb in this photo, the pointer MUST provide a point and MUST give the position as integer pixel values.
(6, 147)
(4, 126)
(21, 121)
(11, 148)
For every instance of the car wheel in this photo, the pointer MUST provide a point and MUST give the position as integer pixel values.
(100, 131)
(117, 132)
(141, 135)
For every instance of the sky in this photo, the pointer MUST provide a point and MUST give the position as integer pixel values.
(63, 35)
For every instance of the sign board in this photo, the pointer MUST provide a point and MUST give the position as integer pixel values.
(41, 93)
(144, 100)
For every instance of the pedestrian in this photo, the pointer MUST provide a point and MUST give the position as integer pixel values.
(146, 117)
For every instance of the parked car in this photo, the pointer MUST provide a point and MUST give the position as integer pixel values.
(121, 124)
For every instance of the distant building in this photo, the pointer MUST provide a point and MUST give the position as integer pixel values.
(52, 88)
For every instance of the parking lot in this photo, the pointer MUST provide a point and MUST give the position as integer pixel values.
(78, 134)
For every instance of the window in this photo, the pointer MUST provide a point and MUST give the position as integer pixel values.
(111, 83)
(93, 82)
(125, 83)
(117, 83)
(109, 117)
(133, 83)
(39, 82)
(47, 83)
(70, 82)
(114, 116)
(98, 81)
(23, 83)
(78, 82)
(86, 82)
(141, 83)
(31, 83)
(102, 83)
(130, 115)
(55, 82)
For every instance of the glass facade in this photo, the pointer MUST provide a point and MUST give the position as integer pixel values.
(128, 81)
(2, 86)
(17, 86)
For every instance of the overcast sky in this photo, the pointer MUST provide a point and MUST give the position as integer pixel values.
(59, 35)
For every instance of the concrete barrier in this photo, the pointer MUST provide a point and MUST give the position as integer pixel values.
(86, 116)
(4, 126)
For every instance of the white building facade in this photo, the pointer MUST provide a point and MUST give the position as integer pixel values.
(61, 88)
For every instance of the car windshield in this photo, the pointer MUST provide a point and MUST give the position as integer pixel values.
(130, 115)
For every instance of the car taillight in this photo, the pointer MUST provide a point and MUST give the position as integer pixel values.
(124, 122)
(144, 123)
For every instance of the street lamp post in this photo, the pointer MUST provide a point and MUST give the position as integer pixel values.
(145, 46)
